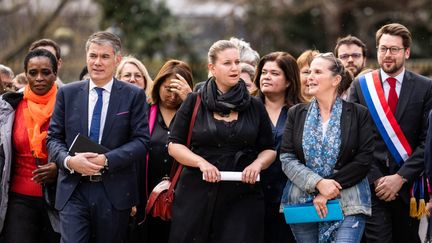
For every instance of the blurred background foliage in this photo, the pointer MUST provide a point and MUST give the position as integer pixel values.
(157, 30)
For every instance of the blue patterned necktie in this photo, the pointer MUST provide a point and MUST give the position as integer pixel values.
(96, 118)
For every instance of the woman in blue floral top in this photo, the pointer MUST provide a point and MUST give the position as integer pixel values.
(326, 152)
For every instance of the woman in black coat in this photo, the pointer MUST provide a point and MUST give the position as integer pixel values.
(232, 133)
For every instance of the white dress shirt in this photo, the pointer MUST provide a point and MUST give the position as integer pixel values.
(386, 85)
(93, 96)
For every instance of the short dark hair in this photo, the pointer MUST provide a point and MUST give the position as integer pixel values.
(395, 29)
(41, 53)
(47, 42)
(349, 40)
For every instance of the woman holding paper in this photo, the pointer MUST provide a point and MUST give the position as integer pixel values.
(25, 168)
(279, 81)
(232, 133)
(326, 152)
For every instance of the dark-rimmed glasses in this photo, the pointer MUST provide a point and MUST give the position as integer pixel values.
(393, 49)
(347, 56)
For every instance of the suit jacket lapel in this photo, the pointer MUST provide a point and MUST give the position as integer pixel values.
(404, 96)
(84, 103)
(113, 104)
(299, 137)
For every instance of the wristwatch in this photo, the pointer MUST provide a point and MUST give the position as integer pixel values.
(105, 168)
(404, 180)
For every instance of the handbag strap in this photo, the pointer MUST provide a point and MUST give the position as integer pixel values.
(188, 141)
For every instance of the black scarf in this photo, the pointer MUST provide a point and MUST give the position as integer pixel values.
(236, 99)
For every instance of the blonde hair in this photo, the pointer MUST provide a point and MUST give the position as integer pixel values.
(217, 47)
(306, 58)
(148, 82)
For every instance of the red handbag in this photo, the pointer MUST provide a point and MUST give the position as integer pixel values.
(161, 198)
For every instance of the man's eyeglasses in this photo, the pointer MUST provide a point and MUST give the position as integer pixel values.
(393, 49)
(347, 56)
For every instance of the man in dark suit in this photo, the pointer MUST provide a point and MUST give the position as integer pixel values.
(409, 96)
(95, 192)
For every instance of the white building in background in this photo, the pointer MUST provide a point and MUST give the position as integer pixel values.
(203, 8)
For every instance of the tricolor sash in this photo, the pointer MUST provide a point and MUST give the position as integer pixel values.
(384, 118)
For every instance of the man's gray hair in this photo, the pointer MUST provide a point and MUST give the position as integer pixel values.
(103, 38)
(6, 70)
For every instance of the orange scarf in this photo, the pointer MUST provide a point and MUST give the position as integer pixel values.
(39, 110)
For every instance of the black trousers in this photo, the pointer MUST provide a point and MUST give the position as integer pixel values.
(390, 222)
(27, 221)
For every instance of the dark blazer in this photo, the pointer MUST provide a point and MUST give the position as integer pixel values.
(125, 134)
(415, 101)
(357, 143)
(428, 150)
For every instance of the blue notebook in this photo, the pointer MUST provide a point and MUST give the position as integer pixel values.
(306, 213)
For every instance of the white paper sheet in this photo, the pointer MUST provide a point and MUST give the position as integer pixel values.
(232, 176)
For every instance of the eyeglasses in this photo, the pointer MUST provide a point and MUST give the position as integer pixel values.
(328, 55)
(393, 49)
(347, 56)
(129, 76)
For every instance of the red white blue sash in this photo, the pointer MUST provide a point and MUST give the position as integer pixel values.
(384, 118)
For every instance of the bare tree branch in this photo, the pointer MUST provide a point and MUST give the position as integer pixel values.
(36, 34)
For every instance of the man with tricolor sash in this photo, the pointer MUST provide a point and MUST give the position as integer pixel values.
(398, 101)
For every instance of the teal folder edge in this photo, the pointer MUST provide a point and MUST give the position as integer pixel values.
(306, 213)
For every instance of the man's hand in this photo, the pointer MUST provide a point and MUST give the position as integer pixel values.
(45, 173)
(133, 211)
(329, 188)
(86, 163)
(98, 160)
(387, 187)
(428, 208)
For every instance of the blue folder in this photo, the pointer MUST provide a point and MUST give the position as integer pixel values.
(306, 213)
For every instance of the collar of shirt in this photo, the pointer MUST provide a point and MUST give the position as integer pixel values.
(107, 87)
(399, 77)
